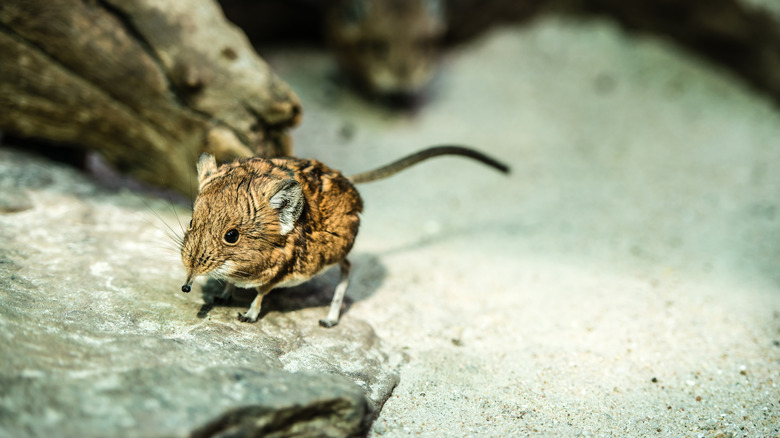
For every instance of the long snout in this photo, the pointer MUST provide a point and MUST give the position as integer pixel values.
(187, 286)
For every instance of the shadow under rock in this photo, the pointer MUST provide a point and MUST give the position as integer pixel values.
(366, 277)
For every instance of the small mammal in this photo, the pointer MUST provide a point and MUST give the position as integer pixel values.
(267, 223)
(389, 47)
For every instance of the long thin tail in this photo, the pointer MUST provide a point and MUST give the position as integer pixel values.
(411, 160)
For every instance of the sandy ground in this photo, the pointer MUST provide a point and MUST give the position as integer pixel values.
(624, 280)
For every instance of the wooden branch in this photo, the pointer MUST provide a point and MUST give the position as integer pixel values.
(148, 84)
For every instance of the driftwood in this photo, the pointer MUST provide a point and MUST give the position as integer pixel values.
(148, 84)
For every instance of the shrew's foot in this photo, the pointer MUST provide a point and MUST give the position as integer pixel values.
(246, 317)
(328, 323)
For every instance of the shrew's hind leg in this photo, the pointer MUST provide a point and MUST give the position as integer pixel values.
(338, 296)
(253, 313)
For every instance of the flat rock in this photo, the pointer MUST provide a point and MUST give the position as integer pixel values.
(97, 337)
(168, 400)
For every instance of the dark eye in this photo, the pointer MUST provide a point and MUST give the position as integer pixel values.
(190, 227)
(231, 236)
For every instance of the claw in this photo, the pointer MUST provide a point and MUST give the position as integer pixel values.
(243, 318)
(328, 323)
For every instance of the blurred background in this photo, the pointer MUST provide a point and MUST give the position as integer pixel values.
(740, 35)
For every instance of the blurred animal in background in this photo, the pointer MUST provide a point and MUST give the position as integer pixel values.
(387, 47)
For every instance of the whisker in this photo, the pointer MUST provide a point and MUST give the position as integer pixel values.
(175, 239)
(173, 235)
(168, 247)
(175, 213)
(178, 240)
(221, 279)
(173, 207)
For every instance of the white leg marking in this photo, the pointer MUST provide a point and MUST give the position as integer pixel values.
(253, 313)
(338, 296)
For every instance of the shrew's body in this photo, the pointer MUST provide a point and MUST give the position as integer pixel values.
(266, 223)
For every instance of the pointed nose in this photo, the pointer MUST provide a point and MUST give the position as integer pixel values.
(187, 286)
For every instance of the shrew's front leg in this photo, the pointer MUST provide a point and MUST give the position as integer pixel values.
(253, 313)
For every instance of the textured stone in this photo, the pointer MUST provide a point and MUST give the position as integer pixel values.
(97, 337)
(170, 400)
(149, 85)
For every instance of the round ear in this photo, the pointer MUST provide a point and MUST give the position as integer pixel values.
(288, 201)
(207, 166)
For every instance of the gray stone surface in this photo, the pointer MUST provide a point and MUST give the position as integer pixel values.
(177, 401)
(98, 340)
